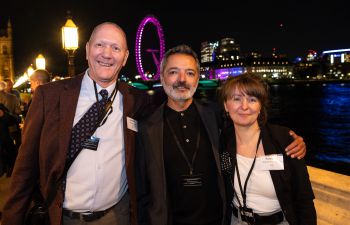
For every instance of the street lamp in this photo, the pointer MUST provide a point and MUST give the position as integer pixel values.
(40, 62)
(30, 71)
(70, 43)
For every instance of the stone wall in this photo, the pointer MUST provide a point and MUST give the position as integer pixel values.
(332, 192)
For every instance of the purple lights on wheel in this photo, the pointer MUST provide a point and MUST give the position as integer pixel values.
(144, 22)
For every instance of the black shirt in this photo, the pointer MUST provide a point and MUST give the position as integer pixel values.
(190, 205)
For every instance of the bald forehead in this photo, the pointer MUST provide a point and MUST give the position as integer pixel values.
(107, 25)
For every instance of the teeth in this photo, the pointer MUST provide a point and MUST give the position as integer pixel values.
(105, 64)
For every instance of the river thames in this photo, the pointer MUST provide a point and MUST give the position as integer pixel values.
(319, 112)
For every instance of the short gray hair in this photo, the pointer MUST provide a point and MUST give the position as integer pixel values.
(180, 49)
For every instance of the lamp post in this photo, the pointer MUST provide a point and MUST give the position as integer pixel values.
(70, 43)
(40, 62)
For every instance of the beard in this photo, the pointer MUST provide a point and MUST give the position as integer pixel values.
(177, 95)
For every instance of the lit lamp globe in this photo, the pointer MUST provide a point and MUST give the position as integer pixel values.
(30, 71)
(70, 43)
(40, 62)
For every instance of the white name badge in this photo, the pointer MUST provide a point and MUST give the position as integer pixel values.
(131, 124)
(270, 162)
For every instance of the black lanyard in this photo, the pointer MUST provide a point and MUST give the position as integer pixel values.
(244, 192)
(189, 164)
(108, 107)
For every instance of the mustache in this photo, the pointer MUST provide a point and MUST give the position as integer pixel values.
(181, 84)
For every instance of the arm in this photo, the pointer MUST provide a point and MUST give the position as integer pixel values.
(296, 149)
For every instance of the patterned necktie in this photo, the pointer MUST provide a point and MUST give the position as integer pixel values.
(85, 126)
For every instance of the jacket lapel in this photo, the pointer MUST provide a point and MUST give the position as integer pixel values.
(67, 105)
(210, 124)
(155, 132)
(128, 111)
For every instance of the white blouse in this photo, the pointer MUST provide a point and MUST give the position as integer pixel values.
(261, 194)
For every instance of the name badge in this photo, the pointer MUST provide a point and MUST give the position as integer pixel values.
(270, 162)
(91, 143)
(194, 180)
(131, 124)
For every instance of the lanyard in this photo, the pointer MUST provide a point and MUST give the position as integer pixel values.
(108, 107)
(244, 192)
(189, 164)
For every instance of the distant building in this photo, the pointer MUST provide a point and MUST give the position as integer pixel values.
(337, 63)
(311, 67)
(228, 50)
(229, 62)
(208, 51)
(6, 53)
(215, 53)
(266, 67)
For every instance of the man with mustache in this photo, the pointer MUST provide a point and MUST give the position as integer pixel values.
(178, 152)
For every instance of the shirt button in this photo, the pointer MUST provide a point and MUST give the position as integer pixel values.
(187, 140)
(184, 126)
(182, 114)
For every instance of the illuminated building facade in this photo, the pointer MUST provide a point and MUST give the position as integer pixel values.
(310, 67)
(337, 63)
(228, 62)
(6, 53)
(228, 50)
(217, 52)
(266, 67)
(208, 51)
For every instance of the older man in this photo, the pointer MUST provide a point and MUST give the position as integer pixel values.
(99, 187)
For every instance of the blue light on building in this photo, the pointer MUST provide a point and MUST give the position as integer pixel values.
(222, 74)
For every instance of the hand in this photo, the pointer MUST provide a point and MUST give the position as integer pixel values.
(297, 148)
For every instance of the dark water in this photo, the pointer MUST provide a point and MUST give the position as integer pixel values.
(321, 114)
(318, 112)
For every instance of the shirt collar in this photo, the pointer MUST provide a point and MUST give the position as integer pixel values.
(189, 112)
(88, 85)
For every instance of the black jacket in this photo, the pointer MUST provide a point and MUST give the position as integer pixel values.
(292, 185)
(153, 200)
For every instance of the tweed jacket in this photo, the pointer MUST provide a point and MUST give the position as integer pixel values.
(46, 138)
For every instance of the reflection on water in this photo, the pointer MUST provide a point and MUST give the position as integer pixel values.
(321, 114)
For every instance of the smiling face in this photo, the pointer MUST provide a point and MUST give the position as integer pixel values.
(106, 53)
(242, 108)
(180, 79)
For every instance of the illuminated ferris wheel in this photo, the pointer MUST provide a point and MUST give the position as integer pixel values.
(153, 20)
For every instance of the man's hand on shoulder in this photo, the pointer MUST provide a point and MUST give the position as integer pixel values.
(296, 149)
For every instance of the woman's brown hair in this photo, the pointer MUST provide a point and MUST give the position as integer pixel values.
(252, 85)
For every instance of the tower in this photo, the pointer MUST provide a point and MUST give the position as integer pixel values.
(6, 53)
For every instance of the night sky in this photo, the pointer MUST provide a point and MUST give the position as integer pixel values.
(292, 27)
